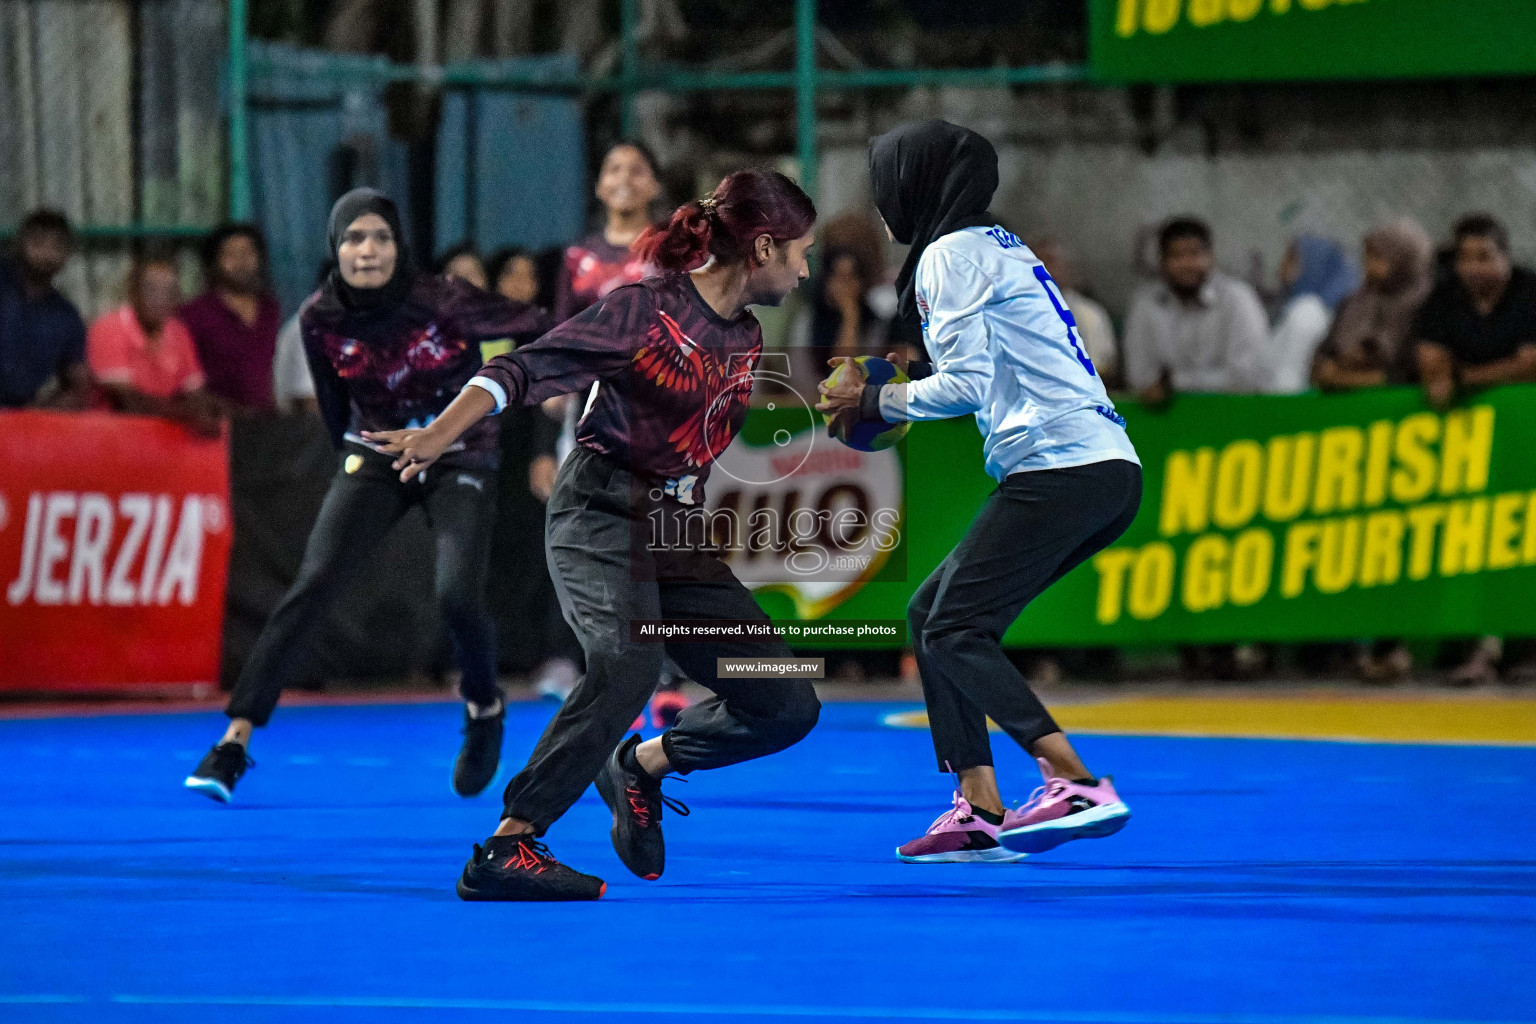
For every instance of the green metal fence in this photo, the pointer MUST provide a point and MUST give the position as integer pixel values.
(806, 80)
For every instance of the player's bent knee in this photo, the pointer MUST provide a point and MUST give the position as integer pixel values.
(939, 639)
(801, 712)
(641, 662)
(917, 616)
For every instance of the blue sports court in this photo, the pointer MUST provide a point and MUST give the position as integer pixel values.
(1324, 882)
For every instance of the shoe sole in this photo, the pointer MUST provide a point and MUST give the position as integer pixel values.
(996, 855)
(605, 790)
(472, 895)
(1096, 823)
(213, 789)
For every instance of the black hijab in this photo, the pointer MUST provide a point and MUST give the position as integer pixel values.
(365, 306)
(929, 179)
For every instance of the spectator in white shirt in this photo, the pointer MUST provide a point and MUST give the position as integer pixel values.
(1196, 329)
(293, 388)
(1315, 276)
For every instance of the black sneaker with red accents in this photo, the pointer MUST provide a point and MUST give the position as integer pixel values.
(636, 802)
(521, 869)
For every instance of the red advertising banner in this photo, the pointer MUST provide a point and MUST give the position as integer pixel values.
(114, 546)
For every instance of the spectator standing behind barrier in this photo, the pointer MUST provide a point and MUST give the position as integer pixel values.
(1478, 329)
(234, 323)
(848, 304)
(597, 264)
(42, 336)
(627, 186)
(514, 274)
(1093, 323)
(840, 321)
(1315, 276)
(293, 386)
(1196, 329)
(143, 357)
(463, 262)
(1368, 345)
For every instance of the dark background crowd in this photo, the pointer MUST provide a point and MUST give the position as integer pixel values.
(1392, 308)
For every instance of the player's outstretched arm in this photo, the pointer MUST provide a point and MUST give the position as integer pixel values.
(416, 449)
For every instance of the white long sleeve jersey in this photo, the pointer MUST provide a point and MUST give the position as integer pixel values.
(1005, 348)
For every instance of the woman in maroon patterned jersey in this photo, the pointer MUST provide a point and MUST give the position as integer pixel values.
(674, 357)
(388, 347)
(604, 260)
(593, 266)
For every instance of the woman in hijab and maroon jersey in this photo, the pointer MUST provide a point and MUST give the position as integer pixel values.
(388, 347)
(674, 357)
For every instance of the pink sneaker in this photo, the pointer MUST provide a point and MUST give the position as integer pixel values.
(956, 837)
(1060, 811)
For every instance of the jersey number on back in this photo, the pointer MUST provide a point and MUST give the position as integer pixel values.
(1066, 317)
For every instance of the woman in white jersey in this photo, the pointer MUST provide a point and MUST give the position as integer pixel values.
(1005, 349)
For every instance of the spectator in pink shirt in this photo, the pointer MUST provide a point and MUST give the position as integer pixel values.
(142, 356)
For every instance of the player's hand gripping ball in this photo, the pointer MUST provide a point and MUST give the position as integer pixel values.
(867, 436)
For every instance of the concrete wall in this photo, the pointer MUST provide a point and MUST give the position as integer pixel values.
(1100, 168)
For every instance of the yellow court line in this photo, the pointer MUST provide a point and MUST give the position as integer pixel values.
(1366, 719)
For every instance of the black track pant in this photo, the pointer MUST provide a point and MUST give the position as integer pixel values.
(1033, 530)
(607, 575)
(367, 498)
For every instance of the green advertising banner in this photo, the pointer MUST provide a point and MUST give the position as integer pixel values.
(1287, 40)
(1314, 517)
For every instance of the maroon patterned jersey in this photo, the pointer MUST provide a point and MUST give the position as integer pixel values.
(594, 267)
(402, 367)
(675, 379)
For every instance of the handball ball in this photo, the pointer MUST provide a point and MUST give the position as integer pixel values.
(870, 437)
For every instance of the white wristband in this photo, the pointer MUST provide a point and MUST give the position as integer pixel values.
(492, 388)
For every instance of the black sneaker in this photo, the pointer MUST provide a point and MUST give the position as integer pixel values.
(216, 776)
(521, 869)
(480, 754)
(636, 801)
